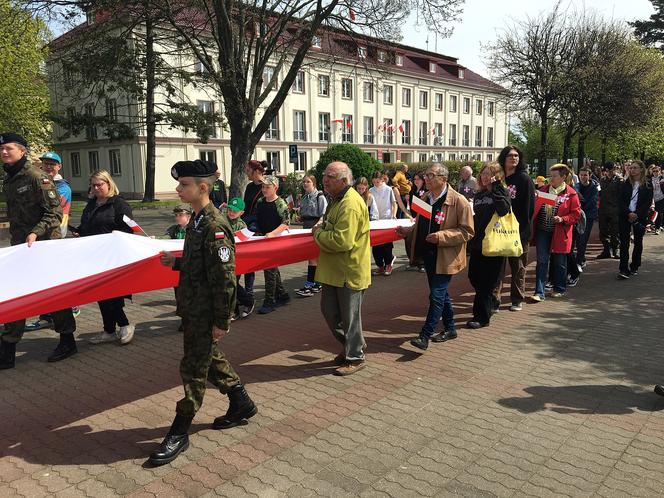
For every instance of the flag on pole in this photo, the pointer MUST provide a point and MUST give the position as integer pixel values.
(135, 227)
(349, 124)
(290, 201)
(337, 120)
(402, 129)
(547, 198)
(433, 131)
(351, 14)
(421, 207)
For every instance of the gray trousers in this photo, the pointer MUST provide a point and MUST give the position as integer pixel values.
(342, 310)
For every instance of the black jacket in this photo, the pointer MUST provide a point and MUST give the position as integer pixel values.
(486, 204)
(522, 193)
(218, 194)
(643, 202)
(105, 218)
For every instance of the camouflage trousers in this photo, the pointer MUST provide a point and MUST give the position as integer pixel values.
(63, 323)
(202, 362)
(274, 288)
(608, 229)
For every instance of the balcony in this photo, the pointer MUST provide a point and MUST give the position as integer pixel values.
(405, 140)
(388, 139)
(347, 138)
(324, 136)
(423, 140)
(452, 142)
(272, 134)
(465, 143)
(478, 143)
(368, 138)
(300, 135)
(489, 143)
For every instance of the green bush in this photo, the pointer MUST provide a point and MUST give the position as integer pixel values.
(360, 163)
(452, 166)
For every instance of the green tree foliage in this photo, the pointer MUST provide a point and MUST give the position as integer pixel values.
(360, 163)
(651, 30)
(23, 90)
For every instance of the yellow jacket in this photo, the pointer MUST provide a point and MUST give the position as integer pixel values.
(345, 248)
(401, 183)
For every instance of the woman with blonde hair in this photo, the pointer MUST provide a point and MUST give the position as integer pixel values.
(362, 187)
(104, 213)
(492, 197)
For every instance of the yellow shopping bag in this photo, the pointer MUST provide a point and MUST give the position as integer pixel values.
(501, 237)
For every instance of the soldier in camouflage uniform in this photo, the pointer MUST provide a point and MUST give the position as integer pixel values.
(205, 301)
(34, 212)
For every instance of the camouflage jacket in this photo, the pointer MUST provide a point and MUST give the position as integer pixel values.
(207, 269)
(609, 194)
(33, 203)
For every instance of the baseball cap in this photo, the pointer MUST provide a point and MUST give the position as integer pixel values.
(53, 156)
(270, 180)
(236, 204)
(182, 208)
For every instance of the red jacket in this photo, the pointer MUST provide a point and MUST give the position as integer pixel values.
(569, 210)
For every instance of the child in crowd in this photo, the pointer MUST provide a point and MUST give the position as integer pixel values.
(312, 208)
(182, 213)
(387, 210)
(245, 301)
(272, 218)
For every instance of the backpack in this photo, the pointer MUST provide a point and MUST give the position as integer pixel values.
(581, 224)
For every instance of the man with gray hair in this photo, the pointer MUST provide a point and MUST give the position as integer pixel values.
(467, 182)
(440, 241)
(344, 264)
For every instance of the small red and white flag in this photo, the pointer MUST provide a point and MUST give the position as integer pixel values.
(349, 124)
(219, 235)
(244, 235)
(421, 207)
(546, 198)
(402, 129)
(135, 227)
(433, 131)
(290, 201)
(351, 14)
(338, 121)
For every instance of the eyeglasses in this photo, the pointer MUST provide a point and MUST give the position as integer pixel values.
(431, 175)
(97, 185)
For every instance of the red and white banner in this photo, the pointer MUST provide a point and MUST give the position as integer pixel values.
(57, 274)
(421, 207)
(542, 198)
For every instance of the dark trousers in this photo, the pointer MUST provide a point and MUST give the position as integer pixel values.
(608, 229)
(112, 314)
(627, 229)
(249, 279)
(659, 208)
(383, 254)
(582, 243)
(63, 322)
(484, 273)
(243, 297)
(274, 289)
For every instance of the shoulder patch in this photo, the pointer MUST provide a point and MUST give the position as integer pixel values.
(224, 254)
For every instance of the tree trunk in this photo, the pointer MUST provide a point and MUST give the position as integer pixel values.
(150, 120)
(567, 144)
(544, 131)
(241, 150)
(581, 152)
(605, 142)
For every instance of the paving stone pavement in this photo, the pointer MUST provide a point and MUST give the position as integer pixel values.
(555, 400)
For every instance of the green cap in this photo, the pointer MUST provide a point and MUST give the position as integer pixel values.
(236, 204)
(182, 208)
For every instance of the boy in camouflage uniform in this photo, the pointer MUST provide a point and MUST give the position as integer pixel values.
(182, 213)
(245, 301)
(205, 301)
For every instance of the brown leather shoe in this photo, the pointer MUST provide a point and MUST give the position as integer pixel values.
(350, 367)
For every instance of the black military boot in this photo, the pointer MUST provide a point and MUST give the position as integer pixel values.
(66, 348)
(7, 355)
(605, 254)
(175, 442)
(240, 408)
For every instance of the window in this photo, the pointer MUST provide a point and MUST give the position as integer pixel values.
(268, 74)
(438, 134)
(273, 160)
(462, 74)
(315, 42)
(75, 160)
(432, 67)
(346, 88)
(368, 130)
(490, 108)
(478, 136)
(90, 128)
(465, 157)
(453, 103)
(489, 136)
(301, 164)
(438, 101)
(477, 157)
(208, 155)
(111, 110)
(398, 60)
(68, 76)
(405, 97)
(272, 132)
(489, 157)
(93, 161)
(452, 135)
(347, 128)
(466, 105)
(362, 52)
(71, 117)
(478, 107)
(324, 85)
(324, 126)
(207, 106)
(114, 162)
(423, 157)
(388, 131)
(424, 99)
(405, 136)
(382, 56)
(298, 84)
(438, 157)
(388, 94)
(299, 125)
(452, 156)
(465, 138)
(368, 92)
(424, 132)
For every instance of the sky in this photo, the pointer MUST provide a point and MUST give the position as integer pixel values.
(482, 21)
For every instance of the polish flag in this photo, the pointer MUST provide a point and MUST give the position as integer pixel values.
(546, 198)
(402, 129)
(290, 202)
(135, 227)
(349, 124)
(337, 120)
(390, 128)
(351, 14)
(433, 131)
(421, 207)
(219, 235)
(243, 235)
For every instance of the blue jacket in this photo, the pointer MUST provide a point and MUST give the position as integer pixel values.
(588, 195)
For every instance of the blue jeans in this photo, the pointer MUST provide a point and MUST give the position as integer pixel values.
(440, 304)
(582, 243)
(558, 263)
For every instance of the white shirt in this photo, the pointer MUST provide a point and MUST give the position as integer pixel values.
(384, 197)
(635, 197)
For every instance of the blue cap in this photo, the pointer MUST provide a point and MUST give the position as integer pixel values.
(53, 156)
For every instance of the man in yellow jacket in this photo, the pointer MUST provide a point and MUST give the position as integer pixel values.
(344, 264)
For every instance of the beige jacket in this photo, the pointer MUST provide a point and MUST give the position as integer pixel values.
(458, 228)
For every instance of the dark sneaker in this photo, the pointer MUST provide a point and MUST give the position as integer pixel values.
(305, 292)
(245, 311)
(448, 335)
(268, 307)
(571, 282)
(282, 301)
(316, 288)
(420, 343)
(623, 276)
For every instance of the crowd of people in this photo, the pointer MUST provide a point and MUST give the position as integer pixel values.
(486, 224)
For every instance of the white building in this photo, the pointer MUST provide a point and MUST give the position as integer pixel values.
(406, 105)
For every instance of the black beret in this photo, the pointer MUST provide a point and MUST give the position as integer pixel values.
(10, 137)
(197, 168)
(607, 166)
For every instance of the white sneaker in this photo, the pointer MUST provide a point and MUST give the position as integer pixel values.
(103, 337)
(126, 334)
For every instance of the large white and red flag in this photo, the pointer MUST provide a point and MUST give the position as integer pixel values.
(119, 264)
